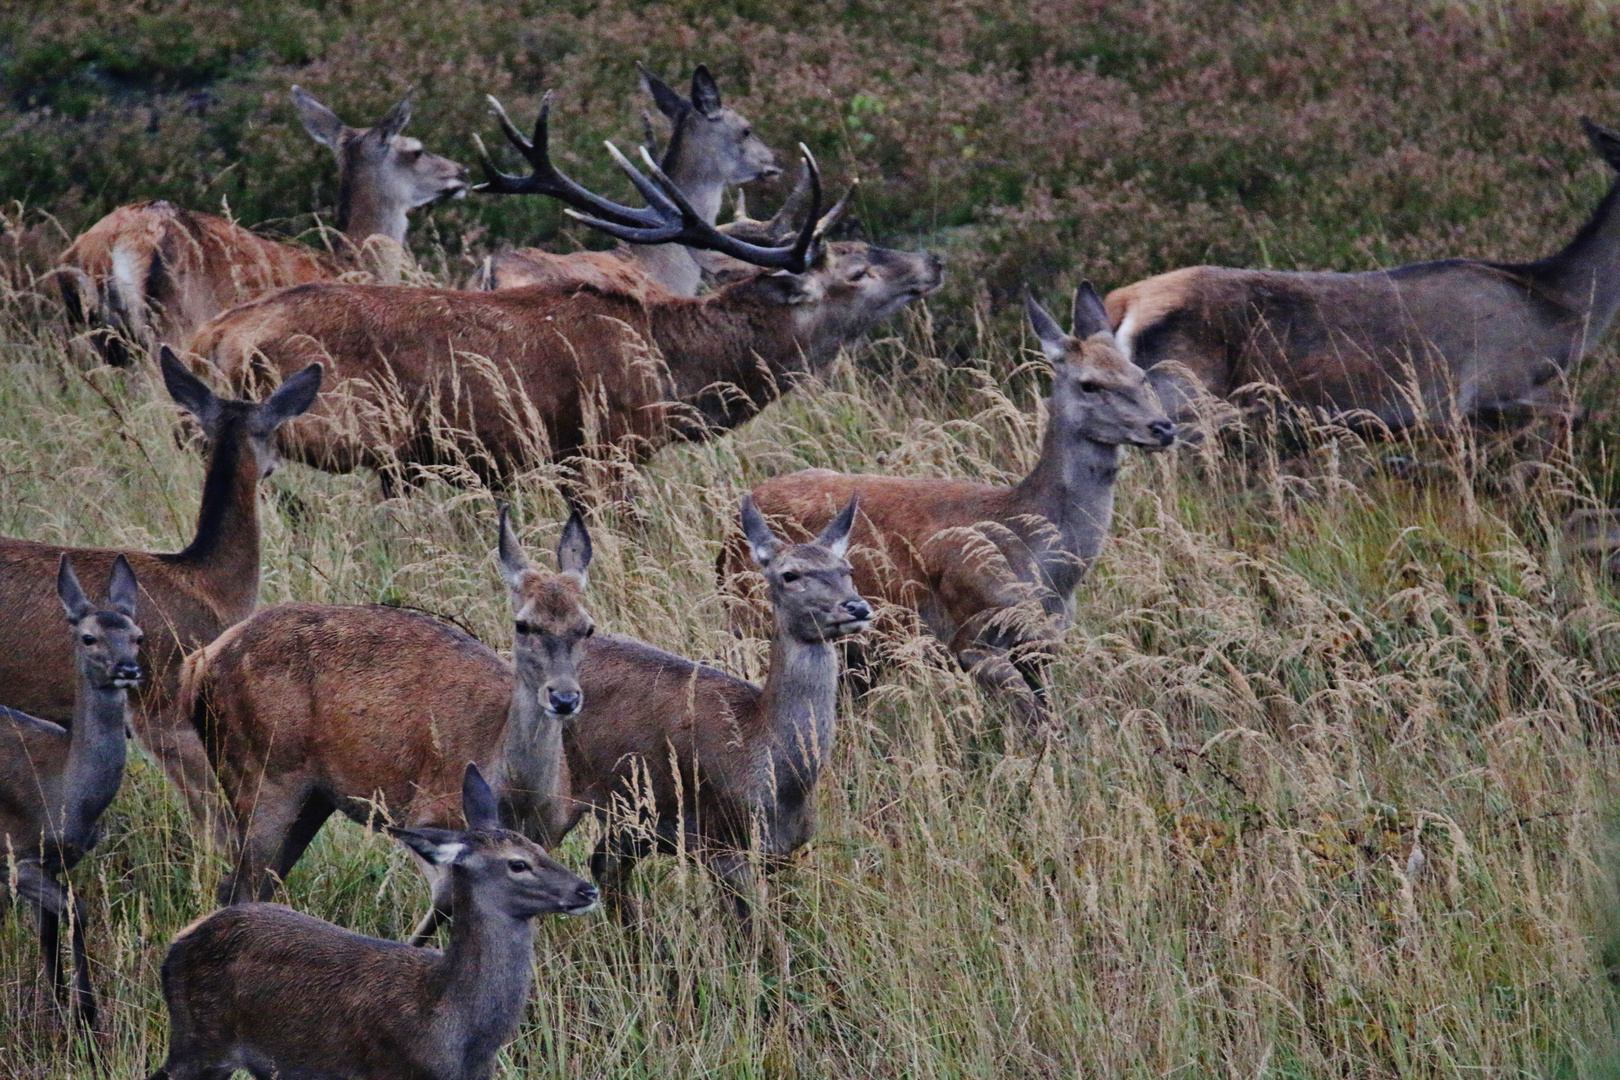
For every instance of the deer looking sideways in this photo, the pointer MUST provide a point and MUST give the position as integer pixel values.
(151, 272)
(291, 701)
(1457, 339)
(588, 369)
(188, 597)
(710, 148)
(266, 989)
(56, 783)
(992, 570)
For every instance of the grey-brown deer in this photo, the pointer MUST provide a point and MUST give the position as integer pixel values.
(188, 597)
(55, 783)
(307, 709)
(152, 272)
(584, 370)
(1458, 339)
(264, 988)
(991, 570)
(711, 148)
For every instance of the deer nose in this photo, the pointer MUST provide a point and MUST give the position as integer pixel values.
(564, 702)
(588, 893)
(128, 671)
(1164, 431)
(858, 609)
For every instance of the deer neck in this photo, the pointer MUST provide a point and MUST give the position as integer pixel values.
(671, 265)
(225, 548)
(1072, 486)
(483, 979)
(800, 701)
(724, 344)
(1586, 274)
(361, 212)
(95, 763)
(531, 766)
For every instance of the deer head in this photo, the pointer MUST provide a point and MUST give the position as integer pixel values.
(109, 642)
(709, 144)
(552, 624)
(810, 585)
(257, 420)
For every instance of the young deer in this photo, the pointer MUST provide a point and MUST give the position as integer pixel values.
(992, 570)
(1454, 339)
(571, 371)
(308, 709)
(710, 148)
(262, 988)
(189, 597)
(151, 272)
(55, 783)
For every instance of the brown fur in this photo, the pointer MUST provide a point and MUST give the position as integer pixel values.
(578, 356)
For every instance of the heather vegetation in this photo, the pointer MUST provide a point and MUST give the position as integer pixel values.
(1332, 794)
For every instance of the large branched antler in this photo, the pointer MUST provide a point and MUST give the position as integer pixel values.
(679, 223)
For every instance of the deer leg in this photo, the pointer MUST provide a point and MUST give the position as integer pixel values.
(266, 828)
(84, 999)
(311, 816)
(612, 863)
(46, 895)
(179, 749)
(735, 877)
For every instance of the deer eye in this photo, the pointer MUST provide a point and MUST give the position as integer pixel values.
(525, 627)
(1089, 387)
(589, 630)
(88, 639)
(518, 866)
(790, 577)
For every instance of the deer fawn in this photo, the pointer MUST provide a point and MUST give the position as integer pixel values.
(992, 570)
(189, 597)
(710, 148)
(308, 709)
(1389, 348)
(55, 783)
(568, 371)
(151, 272)
(263, 988)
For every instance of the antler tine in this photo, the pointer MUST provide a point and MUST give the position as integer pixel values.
(513, 135)
(831, 217)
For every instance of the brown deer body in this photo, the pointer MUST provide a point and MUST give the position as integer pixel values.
(307, 709)
(263, 988)
(188, 598)
(991, 570)
(1460, 338)
(55, 783)
(151, 272)
(711, 147)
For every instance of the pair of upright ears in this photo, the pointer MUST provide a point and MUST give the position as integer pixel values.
(325, 128)
(1090, 317)
(121, 590)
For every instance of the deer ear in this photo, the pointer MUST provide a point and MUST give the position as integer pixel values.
(74, 602)
(478, 803)
(705, 93)
(394, 120)
(1054, 342)
(1090, 316)
(188, 391)
(671, 104)
(835, 537)
(440, 847)
(574, 549)
(761, 541)
(514, 563)
(322, 123)
(122, 589)
(295, 396)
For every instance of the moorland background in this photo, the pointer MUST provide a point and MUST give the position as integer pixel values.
(1297, 659)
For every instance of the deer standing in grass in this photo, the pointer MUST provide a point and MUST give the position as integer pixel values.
(266, 989)
(1455, 339)
(710, 148)
(991, 570)
(584, 370)
(56, 783)
(307, 709)
(188, 597)
(152, 272)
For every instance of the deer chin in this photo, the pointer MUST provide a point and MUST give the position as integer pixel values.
(126, 684)
(846, 628)
(583, 910)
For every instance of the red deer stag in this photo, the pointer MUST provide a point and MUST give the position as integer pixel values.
(310, 708)
(151, 272)
(188, 598)
(710, 148)
(500, 375)
(263, 988)
(1456, 339)
(55, 783)
(992, 570)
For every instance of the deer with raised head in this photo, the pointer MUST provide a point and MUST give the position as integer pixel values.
(991, 570)
(585, 370)
(710, 148)
(55, 783)
(152, 272)
(188, 597)
(266, 989)
(1458, 339)
(307, 709)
